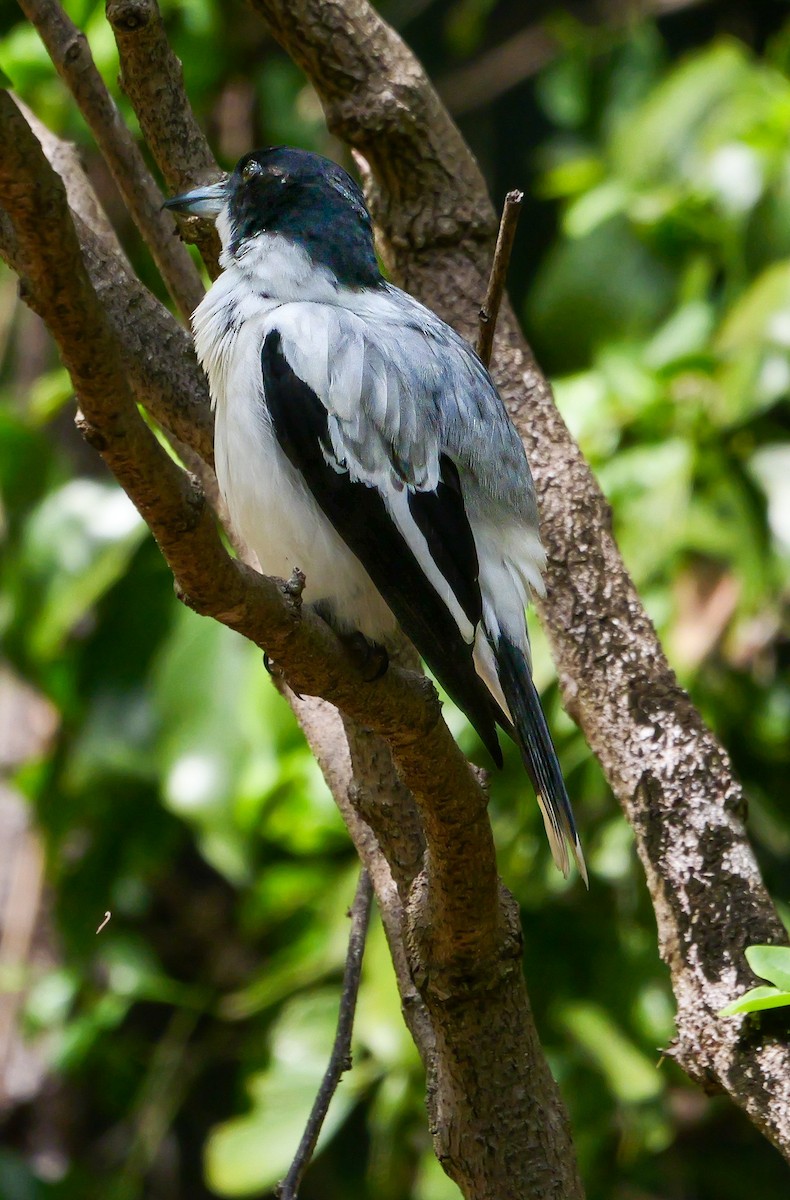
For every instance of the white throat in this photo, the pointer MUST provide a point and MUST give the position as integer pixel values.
(263, 273)
(275, 267)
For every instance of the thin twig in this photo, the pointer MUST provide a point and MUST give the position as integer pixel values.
(340, 1059)
(496, 283)
(68, 48)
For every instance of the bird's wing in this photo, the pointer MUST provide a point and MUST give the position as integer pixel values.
(362, 426)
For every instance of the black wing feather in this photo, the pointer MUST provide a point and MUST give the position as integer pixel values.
(441, 518)
(358, 513)
(532, 736)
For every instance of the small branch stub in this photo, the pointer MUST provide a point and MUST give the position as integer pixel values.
(496, 283)
(294, 587)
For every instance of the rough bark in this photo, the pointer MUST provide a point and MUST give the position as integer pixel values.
(152, 78)
(436, 225)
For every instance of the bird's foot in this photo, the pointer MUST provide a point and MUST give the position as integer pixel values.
(276, 673)
(370, 658)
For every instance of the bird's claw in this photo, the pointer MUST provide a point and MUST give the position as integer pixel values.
(370, 658)
(274, 672)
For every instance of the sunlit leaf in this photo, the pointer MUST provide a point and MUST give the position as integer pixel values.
(771, 467)
(664, 134)
(79, 542)
(771, 963)
(756, 1000)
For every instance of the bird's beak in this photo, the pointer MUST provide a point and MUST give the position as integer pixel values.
(201, 201)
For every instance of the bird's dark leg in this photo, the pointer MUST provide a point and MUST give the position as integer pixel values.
(370, 658)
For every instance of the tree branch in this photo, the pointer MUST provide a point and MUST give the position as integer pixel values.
(68, 48)
(157, 352)
(152, 78)
(435, 225)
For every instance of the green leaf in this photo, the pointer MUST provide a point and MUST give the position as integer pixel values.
(756, 1000)
(685, 333)
(223, 761)
(770, 466)
(594, 207)
(250, 1154)
(761, 313)
(605, 286)
(771, 963)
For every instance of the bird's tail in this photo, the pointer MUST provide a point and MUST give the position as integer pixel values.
(537, 750)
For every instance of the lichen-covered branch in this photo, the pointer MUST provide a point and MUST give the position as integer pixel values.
(436, 227)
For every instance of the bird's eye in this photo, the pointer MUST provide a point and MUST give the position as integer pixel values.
(252, 169)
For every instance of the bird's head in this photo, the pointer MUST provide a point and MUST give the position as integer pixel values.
(303, 197)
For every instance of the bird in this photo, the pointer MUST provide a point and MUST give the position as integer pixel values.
(360, 439)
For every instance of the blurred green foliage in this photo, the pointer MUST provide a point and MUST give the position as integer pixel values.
(186, 1039)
